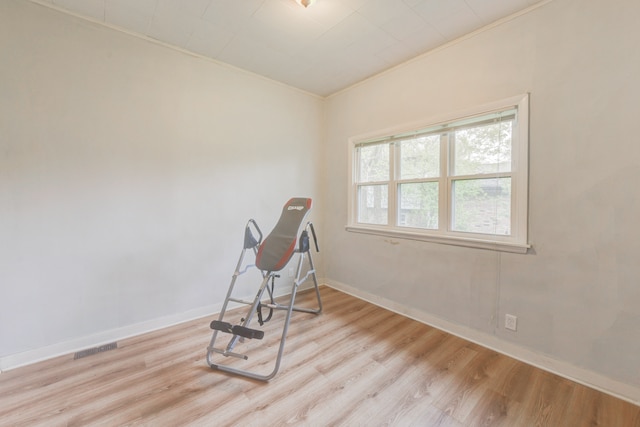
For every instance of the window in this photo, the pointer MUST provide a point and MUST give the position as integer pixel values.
(462, 180)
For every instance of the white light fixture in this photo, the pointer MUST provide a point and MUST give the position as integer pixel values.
(305, 3)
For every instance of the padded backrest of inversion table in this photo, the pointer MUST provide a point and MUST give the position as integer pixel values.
(279, 246)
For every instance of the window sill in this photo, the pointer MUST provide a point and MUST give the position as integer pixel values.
(519, 248)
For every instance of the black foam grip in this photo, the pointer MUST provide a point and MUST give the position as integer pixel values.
(237, 330)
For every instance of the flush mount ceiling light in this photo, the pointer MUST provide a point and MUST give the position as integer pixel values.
(305, 3)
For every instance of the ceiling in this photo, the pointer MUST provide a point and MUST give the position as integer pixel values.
(321, 49)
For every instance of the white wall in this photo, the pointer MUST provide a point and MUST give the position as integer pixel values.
(127, 173)
(577, 292)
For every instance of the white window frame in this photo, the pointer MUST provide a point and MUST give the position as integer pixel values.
(516, 242)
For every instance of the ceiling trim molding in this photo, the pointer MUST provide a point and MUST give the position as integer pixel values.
(171, 46)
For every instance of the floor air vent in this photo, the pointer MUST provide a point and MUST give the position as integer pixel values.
(95, 350)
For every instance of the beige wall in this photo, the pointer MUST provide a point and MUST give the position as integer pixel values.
(577, 293)
(127, 173)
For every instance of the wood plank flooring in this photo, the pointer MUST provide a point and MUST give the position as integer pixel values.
(353, 365)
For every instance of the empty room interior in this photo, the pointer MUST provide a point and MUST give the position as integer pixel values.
(471, 183)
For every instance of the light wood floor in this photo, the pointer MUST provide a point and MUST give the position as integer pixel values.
(354, 365)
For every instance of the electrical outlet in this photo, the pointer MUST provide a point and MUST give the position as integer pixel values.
(510, 322)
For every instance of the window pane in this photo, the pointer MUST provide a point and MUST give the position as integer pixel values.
(373, 163)
(418, 205)
(420, 157)
(483, 149)
(373, 203)
(482, 206)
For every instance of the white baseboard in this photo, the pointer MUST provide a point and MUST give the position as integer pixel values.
(113, 335)
(67, 347)
(564, 369)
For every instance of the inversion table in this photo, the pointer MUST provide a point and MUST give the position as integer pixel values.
(271, 256)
